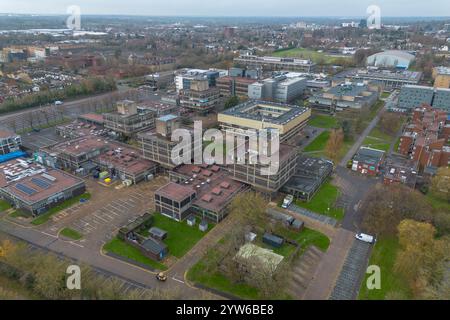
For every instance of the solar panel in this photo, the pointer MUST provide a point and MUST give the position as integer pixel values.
(40, 183)
(25, 189)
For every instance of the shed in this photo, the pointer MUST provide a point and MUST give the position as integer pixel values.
(297, 225)
(157, 233)
(273, 240)
(154, 249)
(191, 221)
(203, 226)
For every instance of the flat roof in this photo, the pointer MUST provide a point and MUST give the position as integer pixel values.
(35, 183)
(7, 134)
(175, 191)
(92, 117)
(245, 110)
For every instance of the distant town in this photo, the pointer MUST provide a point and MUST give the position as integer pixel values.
(88, 176)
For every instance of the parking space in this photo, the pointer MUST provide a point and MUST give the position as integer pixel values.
(107, 210)
(349, 281)
(45, 137)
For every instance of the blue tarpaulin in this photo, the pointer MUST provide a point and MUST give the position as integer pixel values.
(12, 155)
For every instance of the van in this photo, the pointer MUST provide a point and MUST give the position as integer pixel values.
(365, 237)
(287, 201)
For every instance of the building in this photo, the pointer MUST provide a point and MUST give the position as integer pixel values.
(92, 118)
(425, 138)
(160, 80)
(310, 174)
(387, 79)
(234, 86)
(129, 119)
(345, 96)
(391, 59)
(275, 63)
(35, 189)
(157, 145)
(9, 142)
(399, 174)
(254, 259)
(200, 97)
(280, 88)
(368, 161)
(412, 97)
(174, 200)
(213, 186)
(441, 76)
(184, 77)
(256, 115)
(125, 163)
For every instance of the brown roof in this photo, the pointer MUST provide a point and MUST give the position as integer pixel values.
(6, 134)
(175, 191)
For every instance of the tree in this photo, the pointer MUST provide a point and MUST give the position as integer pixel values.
(389, 123)
(6, 248)
(440, 184)
(249, 208)
(420, 259)
(334, 144)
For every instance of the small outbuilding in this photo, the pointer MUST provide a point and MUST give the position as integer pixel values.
(157, 233)
(203, 226)
(191, 221)
(154, 249)
(273, 240)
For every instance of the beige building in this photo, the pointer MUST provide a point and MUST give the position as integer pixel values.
(441, 76)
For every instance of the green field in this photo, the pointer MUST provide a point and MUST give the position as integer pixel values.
(323, 121)
(180, 237)
(200, 273)
(319, 143)
(126, 250)
(71, 234)
(43, 218)
(323, 200)
(315, 56)
(4, 205)
(384, 255)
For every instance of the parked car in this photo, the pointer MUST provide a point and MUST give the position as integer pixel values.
(58, 103)
(161, 276)
(287, 201)
(365, 237)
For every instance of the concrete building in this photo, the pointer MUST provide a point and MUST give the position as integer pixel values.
(344, 96)
(275, 63)
(200, 97)
(9, 142)
(388, 79)
(35, 189)
(253, 114)
(441, 76)
(234, 86)
(412, 97)
(184, 77)
(310, 174)
(391, 59)
(279, 88)
(129, 119)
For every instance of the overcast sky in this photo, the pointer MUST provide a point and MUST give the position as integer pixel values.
(398, 8)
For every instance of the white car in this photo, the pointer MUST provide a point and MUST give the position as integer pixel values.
(58, 103)
(287, 201)
(365, 237)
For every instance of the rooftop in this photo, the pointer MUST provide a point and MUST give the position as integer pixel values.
(175, 191)
(277, 113)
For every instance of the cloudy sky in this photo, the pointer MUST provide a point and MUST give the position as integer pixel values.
(396, 8)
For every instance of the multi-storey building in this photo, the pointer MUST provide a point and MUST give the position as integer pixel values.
(253, 114)
(388, 79)
(234, 86)
(441, 77)
(9, 142)
(129, 119)
(412, 97)
(279, 88)
(276, 63)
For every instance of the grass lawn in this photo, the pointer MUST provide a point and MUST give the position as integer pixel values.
(385, 95)
(125, 250)
(199, 273)
(325, 198)
(4, 205)
(376, 144)
(397, 144)
(19, 213)
(180, 237)
(383, 255)
(323, 121)
(319, 143)
(437, 203)
(72, 234)
(43, 218)
(315, 56)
